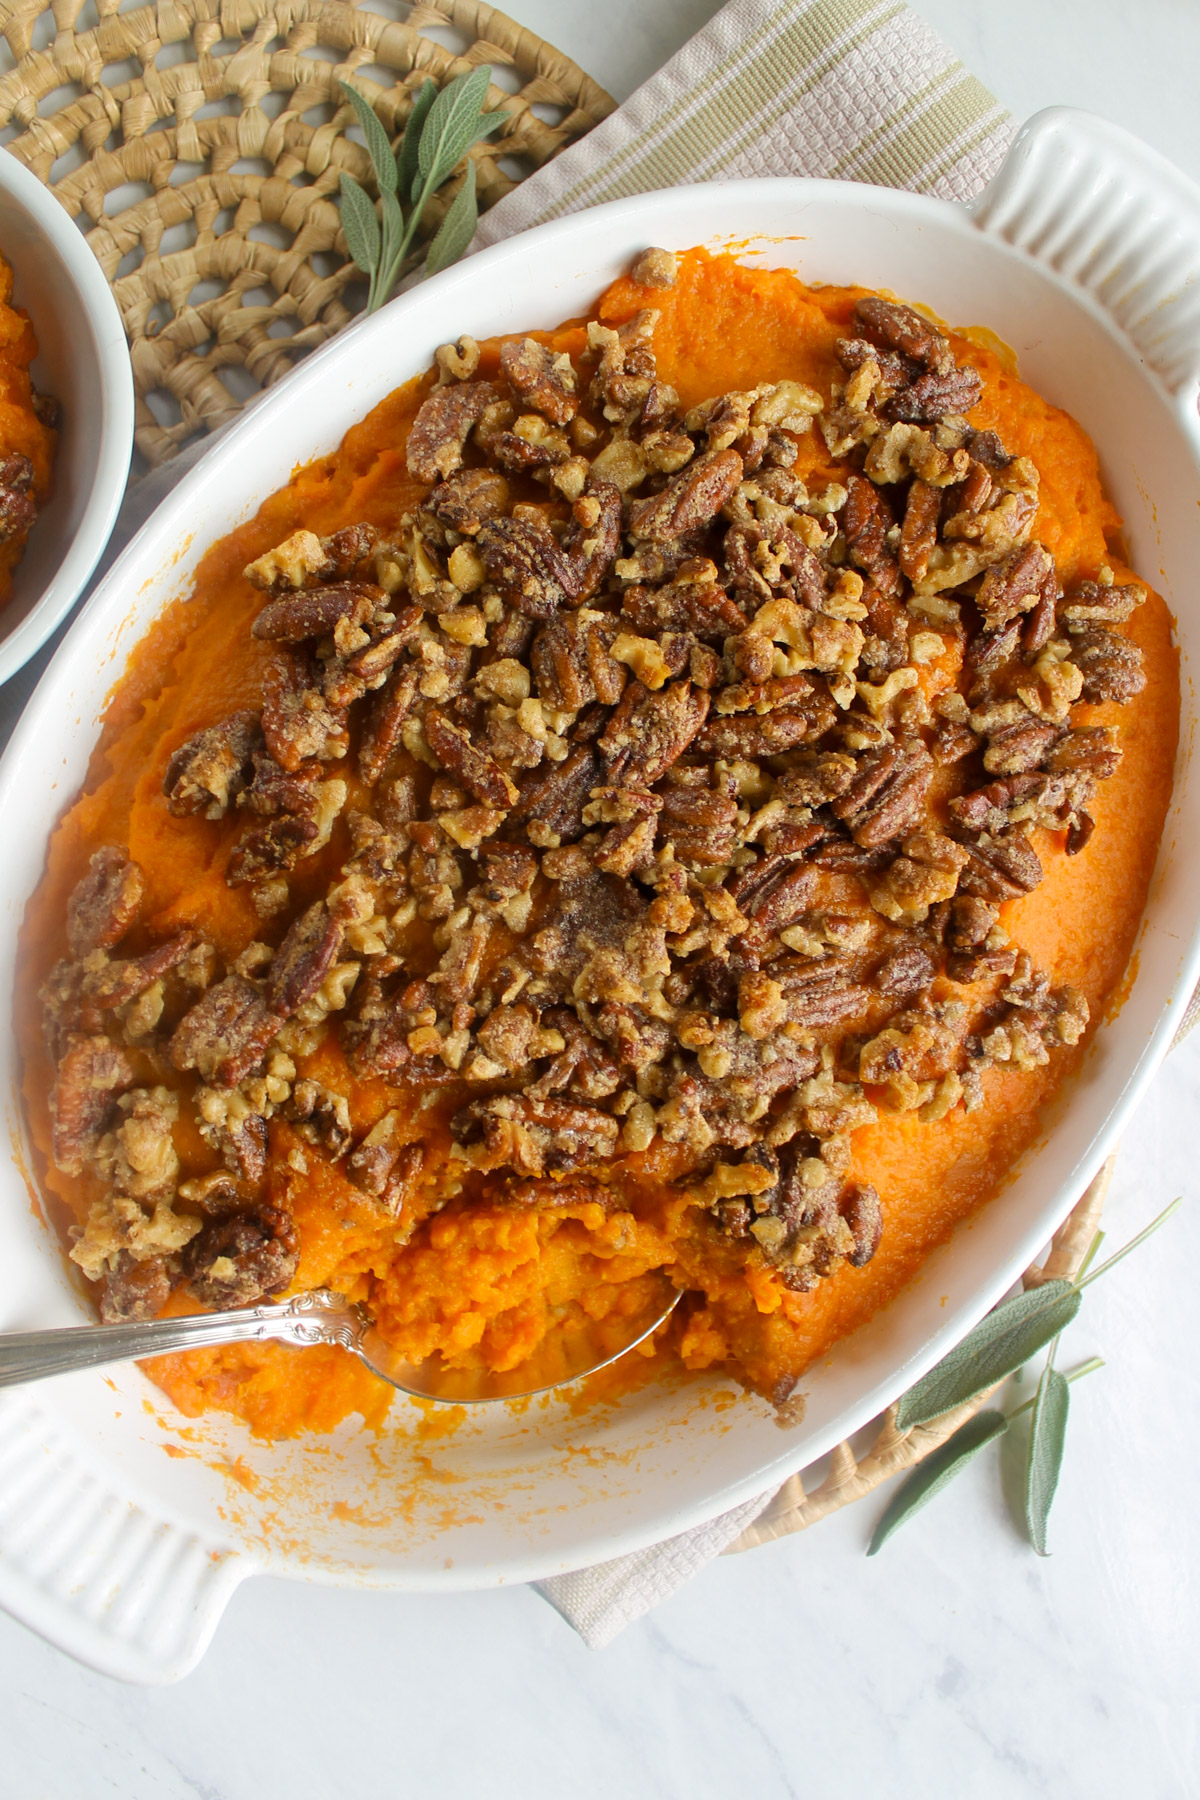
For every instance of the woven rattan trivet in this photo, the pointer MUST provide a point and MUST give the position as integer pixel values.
(199, 143)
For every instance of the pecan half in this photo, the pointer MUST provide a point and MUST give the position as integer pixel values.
(1113, 667)
(443, 424)
(105, 903)
(467, 763)
(1016, 583)
(886, 796)
(468, 498)
(748, 736)
(304, 959)
(89, 1076)
(528, 564)
(243, 1257)
(210, 770)
(315, 612)
(690, 499)
(902, 329)
(866, 521)
(224, 1035)
(297, 720)
(651, 730)
(1000, 868)
(556, 797)
(541, 378)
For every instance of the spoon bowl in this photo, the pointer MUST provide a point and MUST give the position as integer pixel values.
(321, 1317)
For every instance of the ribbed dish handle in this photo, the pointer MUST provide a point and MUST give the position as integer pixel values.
(86, 1567)
(1104, 211)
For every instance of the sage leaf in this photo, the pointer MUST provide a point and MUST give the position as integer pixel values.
(378, 145)
(997, 1347)
(456, 229)
(1047, 1439)
(393, 221)
(406, 158)
(936, 1472)
(455, 122)
(360, 225)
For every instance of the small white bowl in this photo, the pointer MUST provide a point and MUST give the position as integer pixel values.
(123, 1526)
(83, 360)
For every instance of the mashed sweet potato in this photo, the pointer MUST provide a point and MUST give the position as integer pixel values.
(891, 852)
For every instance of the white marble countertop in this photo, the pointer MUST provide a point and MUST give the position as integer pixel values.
(956, 1662)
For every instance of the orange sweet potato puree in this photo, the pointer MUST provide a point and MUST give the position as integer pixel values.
(21, 431)
(485, 1283)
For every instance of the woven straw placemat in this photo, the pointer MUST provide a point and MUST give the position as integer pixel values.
(199, 144)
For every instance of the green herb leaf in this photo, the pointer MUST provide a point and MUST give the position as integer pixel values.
(393, 221)
(378, 145)
(1168, 1212)
(406, 159)
(360, 225)
(455, 122)
(1047, 1439)
(997, 1347)
(456, 229)
(939, 1469)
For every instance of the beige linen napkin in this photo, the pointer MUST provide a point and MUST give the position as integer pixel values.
(860, 90)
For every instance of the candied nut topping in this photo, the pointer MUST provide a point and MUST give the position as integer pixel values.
(625, 797)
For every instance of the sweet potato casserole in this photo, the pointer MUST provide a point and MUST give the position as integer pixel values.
(28, 434)
(667, 793)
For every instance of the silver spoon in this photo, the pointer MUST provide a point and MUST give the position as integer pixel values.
(318, 1317)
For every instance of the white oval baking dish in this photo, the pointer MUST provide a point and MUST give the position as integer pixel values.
(83, 360)
(1084, 255)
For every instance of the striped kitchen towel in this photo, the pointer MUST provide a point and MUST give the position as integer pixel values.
(858, 90)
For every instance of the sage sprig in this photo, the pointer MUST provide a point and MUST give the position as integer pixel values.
(440, 130)
(1000, 1344)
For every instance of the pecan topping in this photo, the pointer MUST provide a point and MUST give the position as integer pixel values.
(316, 612)
(885, 798)
(131, 1289)
(241, 1258)
(690, 499)
(321, 1117)
(85, 1086)
(1112, 667)
(224, 1035)
(541, 379)
(467, 499)
(472, 766)
(105, 903)
(210, 770)
(303, 960)
(867, 522)
(17, 506)
(442, 426)
(535, 1137)
(650, 731)
(680, 793)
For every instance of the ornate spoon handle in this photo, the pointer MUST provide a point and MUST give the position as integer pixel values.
(308, 1319)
